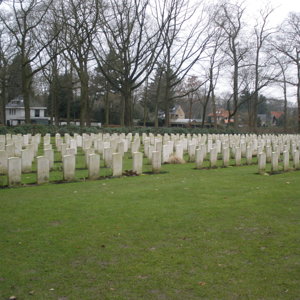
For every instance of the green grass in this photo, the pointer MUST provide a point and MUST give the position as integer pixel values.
(224, 233)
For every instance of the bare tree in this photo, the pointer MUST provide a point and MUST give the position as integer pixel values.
(6, 54)
(288, 43)
(229, 17)
(80, 19)
(127, 33)
(25, 22)
(283, 79)
(184, 44)
(263, 70)
(51, 71)
(213, 66)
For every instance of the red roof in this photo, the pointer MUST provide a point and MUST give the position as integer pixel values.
(277, 114)
(220, 113)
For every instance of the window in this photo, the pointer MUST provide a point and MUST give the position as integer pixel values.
(36, 113)
(12, 111)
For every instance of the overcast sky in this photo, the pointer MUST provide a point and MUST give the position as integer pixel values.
(282, 8)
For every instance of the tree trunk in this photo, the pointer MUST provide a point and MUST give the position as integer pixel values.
(122, 111)
(285, 106)
(235, 91)
(84, 99)
(128, 109)
(52, 112)
(3, 103)
(167, 110)
(298, 89)
(106, 104)
(145, 115)
(214, 108)
(82, 107)
(167, 100)
(26, 83)
(70, 100)
(205, 107)
(26, 99)
(156, 114)
(204, 114)
(190, 110)
(88, 111)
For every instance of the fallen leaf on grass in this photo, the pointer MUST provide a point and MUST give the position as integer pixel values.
(202, 283)
(142, 277)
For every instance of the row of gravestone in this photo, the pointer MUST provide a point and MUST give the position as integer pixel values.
(158, 149)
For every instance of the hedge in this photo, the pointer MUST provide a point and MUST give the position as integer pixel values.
(71, 129)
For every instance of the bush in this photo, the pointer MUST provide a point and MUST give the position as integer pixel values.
(71, 129)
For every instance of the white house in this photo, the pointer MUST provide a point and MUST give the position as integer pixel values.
(15, 113)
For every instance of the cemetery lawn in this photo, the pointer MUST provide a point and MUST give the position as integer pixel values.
(183, 234)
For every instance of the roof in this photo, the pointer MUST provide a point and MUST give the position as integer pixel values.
(174, 109)
(185, 121)
(19, 103)
(220, 113)
(277, 114)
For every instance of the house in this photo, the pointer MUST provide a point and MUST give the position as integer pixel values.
(275, 116)
(177, 113)
(262, 120)
(222, 116)
(15, 113)
(186, 123)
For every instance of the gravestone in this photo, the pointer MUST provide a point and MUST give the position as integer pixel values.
(117, 164)
(14, 171)
(137, 162)
(107, 156)
(179, 150)
(286, 160)
(213, 157)
(274, 162)
(3, 162)
(238, 156)
(93, 166)
(261, 162)
(156, 161)
(226, 156)
(42, 169)
(199, 157)
(296, 162)
(49, 154)
(69, 167)
(26, 160)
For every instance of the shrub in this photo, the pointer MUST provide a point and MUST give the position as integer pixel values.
(71, 129)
